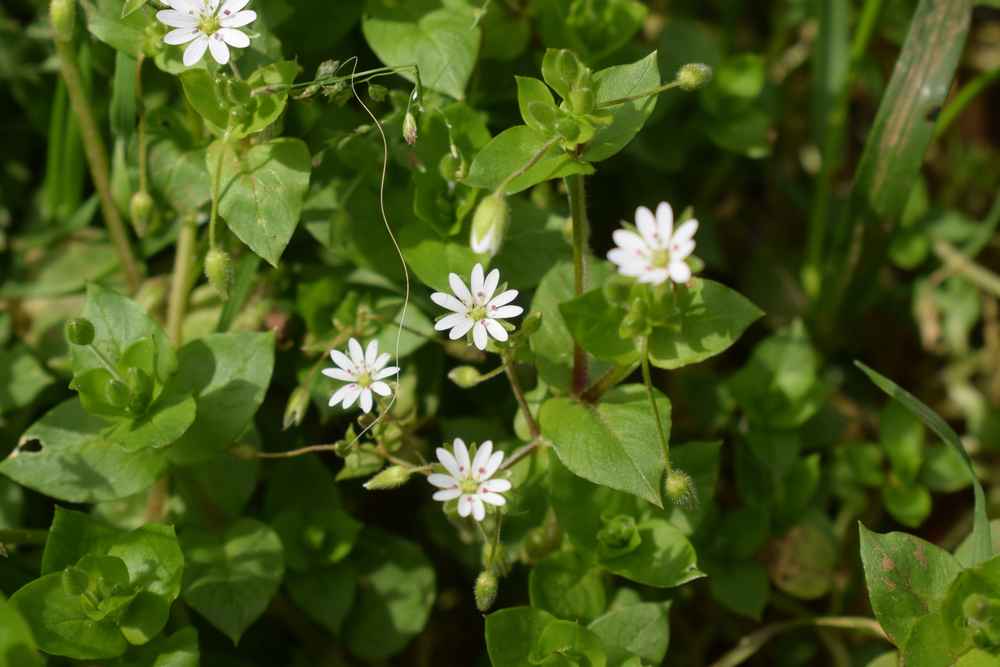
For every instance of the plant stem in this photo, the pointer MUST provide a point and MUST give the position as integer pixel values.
(608, 381)
(141, 131)
(180, 284)
(978, 275)
(97, 159)
(515, 385)
(156, 503)
(106, 362)
(22, 536)
(216, 186)
(647, 379)
(581, 232)
(639, 96)
(522, 452)
(523, 169)
(968, 93)
(750, 644)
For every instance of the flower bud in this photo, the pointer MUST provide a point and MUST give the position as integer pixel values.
(390, 478)
(116, 393)
(982, 616)
(295, 409)
(582, 100)
(486, 590)
(410, 128)
(139, 208)
(80, 331)
(219, 271)
(452, 166)
(680, 489)
(465, 377)
(62, 14)
(489, 225)
(693, 76)
(140, 386)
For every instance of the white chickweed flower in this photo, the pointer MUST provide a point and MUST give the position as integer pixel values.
(469, 481)
(656, 252)
(207, 26)
(478, 310)
(364, 371)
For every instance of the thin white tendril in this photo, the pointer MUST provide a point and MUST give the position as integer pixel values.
(395, 244)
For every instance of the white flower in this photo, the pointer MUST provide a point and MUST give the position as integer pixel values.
(469, 481)
(657, 252)
(364, 371)
(477, 310)
(207, 26)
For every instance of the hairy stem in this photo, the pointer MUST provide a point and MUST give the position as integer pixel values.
(216, 186)
(647, 379)
(180, 284)
(581, 232)
(515, 385)
(522, 452)
(753, 642)
(97, 159)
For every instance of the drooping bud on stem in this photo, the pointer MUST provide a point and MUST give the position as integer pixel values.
(139, 208)
(80, 331)
(390, 478)
(465, 376)
(62, 14)
(489, 225)
(219, 271)
(680, 489)
(410, 128)
(486, 590)
(693, 76)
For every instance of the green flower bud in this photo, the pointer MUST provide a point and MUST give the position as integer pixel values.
(140, 386)
(62, 14)
(452, 167)
(465, 377)
(295, 409)
(680, 489)
(410, 128)
(982, 615)
(618, 537)
(139, 209)
(486, 590)
(390, 478)
(489, 225)
(116, 393)
(693, 76)
(80, 331)
(581, 100)
(568, 129)
(219, 271)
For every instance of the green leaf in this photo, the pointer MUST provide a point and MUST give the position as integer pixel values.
(535, 242)
(982, 548)
(709, 318)
(118, 322)
(262, 190)
(433, 258)
(440, 37)
(123, 32)
(22, 378)
(664, 558)
(177, 650)
(17, 645)
(614, 443)
(534, 91)
(983, 582)
(76, 462)
(394, 605)
(511, 150)
(902, 436)
(907, 579)
(228, 374)
(567, 586)
(132, 6)
(803, 559)
(230, 579)
(627, 118)
(640, 629)
(200, 91)
(594, 325)
(595, 29)
(740, 586)
(165, 421)
(325, 594)
(262, 110)
(123, 97)
(521, 636)
(910, 504)
(62, 626)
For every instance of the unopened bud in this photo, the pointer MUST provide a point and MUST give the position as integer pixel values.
(219, 271)
(465, 377)
(116, 393)
(489, 225)
(140, 386)
(693, 76)
(680, 489)
(295, 409)
(486, 590)
(982, 616)
(80, 331)
(62, 14)
(582, 100)
(390, 478)
(410, 128)
(139, 208)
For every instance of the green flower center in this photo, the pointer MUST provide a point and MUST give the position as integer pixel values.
(468, 486)
(661, 259)
(478, 313)
(208, 25)
(364, 380)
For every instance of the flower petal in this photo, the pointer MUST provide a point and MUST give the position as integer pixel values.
(503, 298)
(476, 283)
(682, 249)
(176, 19)
(452, 320)
(366, 399)
(491, 282)
(357, 352)
(351, 395)
(479, 336)
(680, 272)
(496, 330)
(381, 361)
(448, 301)
(496, 485)
(186, 6)
(478, 509)
(628, 240)
(338, 374)
(504, 312)
(482, 458)
(233, 37)
(230, 7)
(447, 459)
(493, 464)
(447, 494)
(180, 36)
(381, 388)
(459, 288)
(645, 221)
(461, 328)
(461, 456)
(664, 220)
(465, 506)
(338, 395)
(654, 276)
(220, 52)
(371, 353)
(388, 371)
(685, 232)
(342, 360)
(195, 50)
(492, 498)
(442, 481)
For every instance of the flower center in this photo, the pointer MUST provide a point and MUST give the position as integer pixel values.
(478, 313)
(209, 24)
(364, 380)
(468, 486)
(661, 259)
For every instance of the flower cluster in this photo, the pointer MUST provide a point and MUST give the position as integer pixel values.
(470, 480)
(657, 252)
(205, 25)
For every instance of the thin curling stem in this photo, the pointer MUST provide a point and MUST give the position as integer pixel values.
(648, 381)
